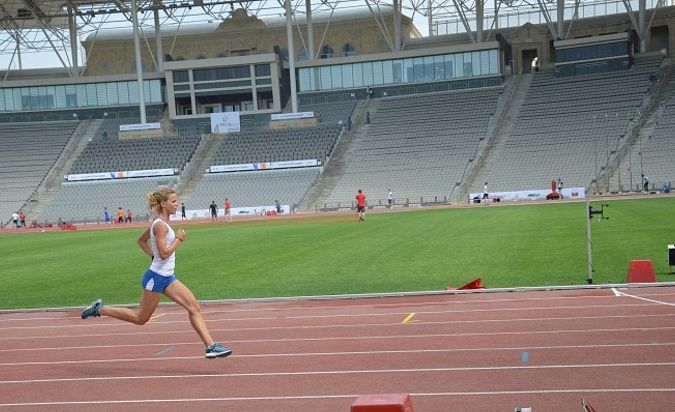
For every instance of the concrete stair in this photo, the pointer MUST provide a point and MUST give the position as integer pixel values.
(200, 161)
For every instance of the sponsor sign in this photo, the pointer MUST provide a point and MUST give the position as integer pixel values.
(225, 122)
(120, 174)
(289, 164)
(291, 116)
(139, 126)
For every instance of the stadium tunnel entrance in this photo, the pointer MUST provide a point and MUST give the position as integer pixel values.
(528, 56)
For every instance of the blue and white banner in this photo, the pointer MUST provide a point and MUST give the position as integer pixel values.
(139, 126)
(121, 174)
(288, 164)
(291, 116)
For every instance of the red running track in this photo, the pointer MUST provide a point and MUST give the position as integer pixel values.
(469, 352)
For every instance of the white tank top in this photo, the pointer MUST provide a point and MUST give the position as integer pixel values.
(164, 267)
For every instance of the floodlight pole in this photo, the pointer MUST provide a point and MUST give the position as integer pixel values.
(589, 243)
(291, 57)
(139, 64)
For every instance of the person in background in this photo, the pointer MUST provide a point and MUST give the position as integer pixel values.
(129, 216)
(182, 211)
(228, 209)
(214, 210)
(106, 216)
(361, 205)
(120, 215)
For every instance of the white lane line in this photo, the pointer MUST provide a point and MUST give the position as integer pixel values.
(410, 336)
(333, 353)
(348, 372)
(88, 324)
(620, 293)
(342, 396)
(473, 349)
(348, 325)
(616, 292)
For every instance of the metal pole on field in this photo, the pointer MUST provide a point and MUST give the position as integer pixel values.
(589, 243)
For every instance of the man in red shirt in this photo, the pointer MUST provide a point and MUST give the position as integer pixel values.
(361, 205)
(228, 210)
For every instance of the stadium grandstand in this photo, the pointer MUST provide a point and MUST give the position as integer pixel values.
(306, 103)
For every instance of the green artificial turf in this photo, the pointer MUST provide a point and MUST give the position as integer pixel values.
(520, 245)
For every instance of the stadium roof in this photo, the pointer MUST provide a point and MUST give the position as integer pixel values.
(42, 26)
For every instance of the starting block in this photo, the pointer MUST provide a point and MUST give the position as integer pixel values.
(474, 284)
(641, 271)
(394, 402)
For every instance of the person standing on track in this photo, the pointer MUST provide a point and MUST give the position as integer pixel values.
(361, 205)
(160, 277)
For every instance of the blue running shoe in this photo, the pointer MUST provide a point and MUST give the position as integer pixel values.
(92, 310)
(217, 351)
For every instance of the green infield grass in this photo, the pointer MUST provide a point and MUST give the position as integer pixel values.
(507, 246)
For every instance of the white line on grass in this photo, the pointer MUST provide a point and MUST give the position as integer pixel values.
(347, 372)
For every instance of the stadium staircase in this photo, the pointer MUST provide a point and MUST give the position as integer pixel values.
(335, 166)
(51, 185)
(507, 111)
(200, 161)
(625, 172)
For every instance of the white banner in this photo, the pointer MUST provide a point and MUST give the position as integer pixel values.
(121, 174)
(569, 193)
(288, 164)
(225, 122)
(139, 126)
(235, 211)
(291, 116)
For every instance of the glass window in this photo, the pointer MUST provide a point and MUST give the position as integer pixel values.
(315, 78)
(263, 70)
(327, 52)
(156, 91)
(397, 71)
(303, 55)
(408, 74)
(358, 75)
(16, 96)
(326, 84)
(180, 76)
(428, 68)
(377, 73)
(71, 96)
(449, 60)
(439, 68)
(475, 63)
(132, 87)
(347, 76)
(303, 75)
(494, 61)
(146, 92)
(459, 65)
(3, 107)
(101, 94)
(25, 99)
(59, 97)
(7, 98)
(50, 93)
(123, 92)
(418, 69)
(387, 72)
(111, 92)
(485, 62)
(336, 76)
(348, 50)
(91, 94)
(367, 68)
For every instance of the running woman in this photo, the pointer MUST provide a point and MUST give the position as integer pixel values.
(160, 278)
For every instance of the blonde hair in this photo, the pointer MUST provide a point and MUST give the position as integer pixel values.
(156, 198)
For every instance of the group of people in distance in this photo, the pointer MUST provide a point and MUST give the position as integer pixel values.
(122, 216)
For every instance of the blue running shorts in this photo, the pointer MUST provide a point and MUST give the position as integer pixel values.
(154, 282)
